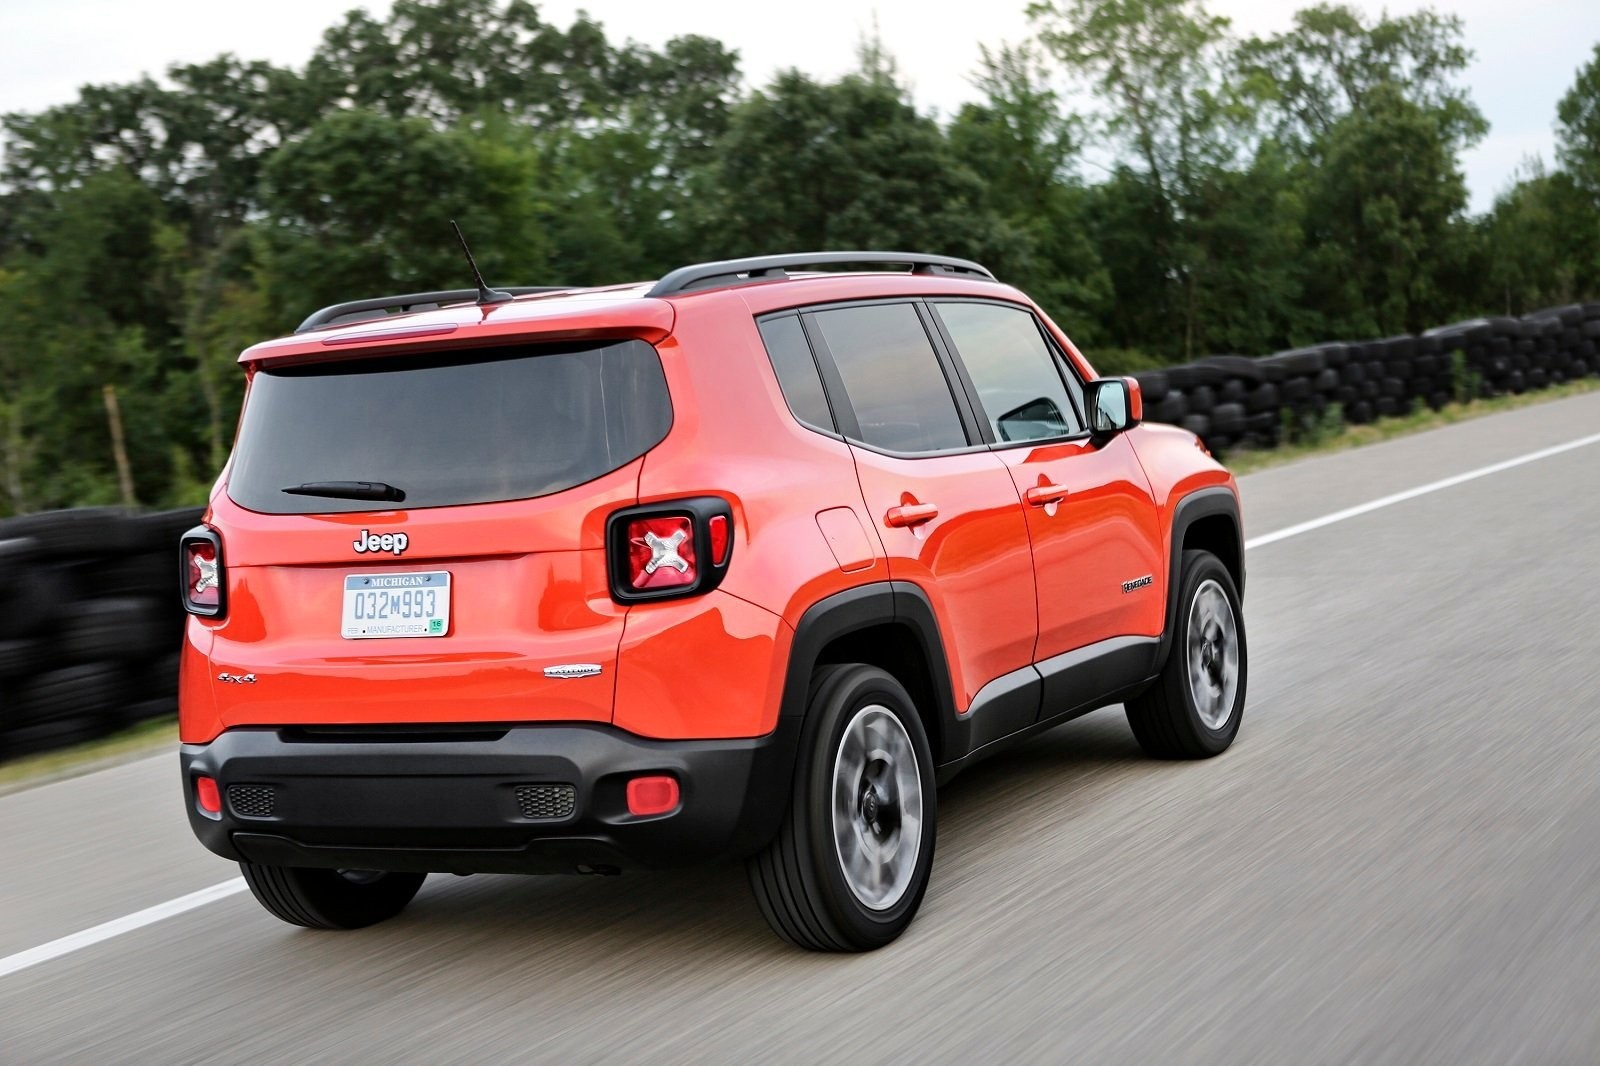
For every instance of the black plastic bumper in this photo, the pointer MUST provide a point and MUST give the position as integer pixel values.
(448, 800)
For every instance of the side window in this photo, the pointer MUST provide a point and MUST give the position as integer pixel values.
(797, 372)
(1020, 382)
(895, 384)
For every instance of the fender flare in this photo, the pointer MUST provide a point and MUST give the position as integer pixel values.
(880, 603)
(1201, 503)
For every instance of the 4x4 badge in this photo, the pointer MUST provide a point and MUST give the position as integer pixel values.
(572, 670)
(369, 541)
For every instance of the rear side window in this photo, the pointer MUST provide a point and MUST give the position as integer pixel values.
(797, 372)
(1018, 378)
(457, 427)
(892, 376)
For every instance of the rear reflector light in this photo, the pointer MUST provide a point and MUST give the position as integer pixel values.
(718, 527)
(201, 572)
(661, 553)
(205, 793)
(655, 794)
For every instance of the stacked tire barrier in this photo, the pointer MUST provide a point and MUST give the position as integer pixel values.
(1231, 400)
(89, 624)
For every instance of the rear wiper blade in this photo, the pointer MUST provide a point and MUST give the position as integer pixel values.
(348, 490)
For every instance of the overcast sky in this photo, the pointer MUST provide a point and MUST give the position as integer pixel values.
(1528, 51)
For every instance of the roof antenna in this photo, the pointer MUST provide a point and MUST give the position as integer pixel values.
(486, 295)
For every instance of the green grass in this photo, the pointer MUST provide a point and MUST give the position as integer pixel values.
(1343, 438)
(142, 739)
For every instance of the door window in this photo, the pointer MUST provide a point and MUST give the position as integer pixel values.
(1019, 381)
(891, 374)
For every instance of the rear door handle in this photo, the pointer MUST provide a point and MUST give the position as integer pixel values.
(1040, 495)
(910, 514)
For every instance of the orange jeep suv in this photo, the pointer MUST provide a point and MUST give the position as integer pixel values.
(740, 562)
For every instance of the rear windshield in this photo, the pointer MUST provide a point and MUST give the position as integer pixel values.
(459, 427)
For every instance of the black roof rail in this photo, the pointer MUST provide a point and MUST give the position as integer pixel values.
(357, 310)
(774, 267)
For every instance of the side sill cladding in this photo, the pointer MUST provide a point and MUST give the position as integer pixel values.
(1202, 503)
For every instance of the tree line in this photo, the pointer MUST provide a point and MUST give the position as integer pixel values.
(1164, 187)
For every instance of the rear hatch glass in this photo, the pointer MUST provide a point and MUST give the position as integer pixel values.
(445, 429)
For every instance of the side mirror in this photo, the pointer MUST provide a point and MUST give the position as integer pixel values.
(1115, 404)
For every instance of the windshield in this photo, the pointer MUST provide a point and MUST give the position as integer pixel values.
(459, 427)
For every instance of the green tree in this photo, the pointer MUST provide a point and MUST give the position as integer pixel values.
(1542, 235)
(847, 164)
(1386, 219)
(1328, 63)
(1158, 67)
(447, 60)
(1578, 128)
(1024, 148)
(362, 206)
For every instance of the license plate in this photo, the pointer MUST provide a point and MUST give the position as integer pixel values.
(396, 605)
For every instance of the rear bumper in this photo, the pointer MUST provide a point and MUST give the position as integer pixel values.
(449, 800)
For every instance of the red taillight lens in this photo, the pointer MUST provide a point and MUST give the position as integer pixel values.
(203, 576)
(656, 794)
(206, 794)
(204, 582)
(668, 549)
(661, 553)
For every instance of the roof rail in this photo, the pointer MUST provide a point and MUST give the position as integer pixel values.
(356, 310)
(774, 267)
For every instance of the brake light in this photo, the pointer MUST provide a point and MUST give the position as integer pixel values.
(661, 553)
(203, 580)
(663, 550)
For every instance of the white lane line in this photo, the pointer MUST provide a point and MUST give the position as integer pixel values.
(1420, 490)
(117, 926)
(138, 920)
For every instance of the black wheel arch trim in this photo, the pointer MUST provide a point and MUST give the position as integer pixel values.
(880, 603)
(1201, 503)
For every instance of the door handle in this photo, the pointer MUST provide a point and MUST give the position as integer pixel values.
(910, 514)
(1040, 495)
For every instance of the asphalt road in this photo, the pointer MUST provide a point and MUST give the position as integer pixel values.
(1398, 861)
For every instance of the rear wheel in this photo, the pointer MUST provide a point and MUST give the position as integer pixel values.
(849, 867)
(330, 899)
(1193, 709)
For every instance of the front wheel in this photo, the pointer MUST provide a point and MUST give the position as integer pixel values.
(1192, 710)
(330, 899)
(849, 867)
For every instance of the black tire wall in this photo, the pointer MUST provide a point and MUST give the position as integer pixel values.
(89, 623)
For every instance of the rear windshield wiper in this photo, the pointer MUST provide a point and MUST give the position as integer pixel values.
(348, 490)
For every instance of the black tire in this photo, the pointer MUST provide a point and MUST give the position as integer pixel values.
(31, 600)
(50, 736)
(24, 658)
(118, 628)
(1165, 718)
(799, 879)
(131, 714)
(67, 534)
(330, 899)
(91, 690)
